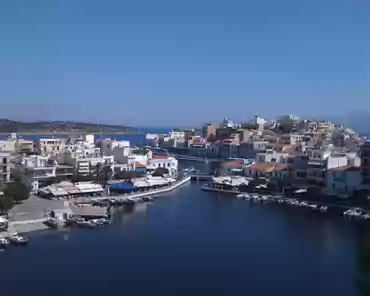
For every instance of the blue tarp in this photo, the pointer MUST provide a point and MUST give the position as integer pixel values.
(122, 186)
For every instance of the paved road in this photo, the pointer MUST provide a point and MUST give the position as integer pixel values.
(34, 208)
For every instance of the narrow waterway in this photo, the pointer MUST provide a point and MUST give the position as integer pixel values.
(188, 242)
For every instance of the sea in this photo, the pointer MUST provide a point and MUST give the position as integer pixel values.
(138, 139)
(191, 242)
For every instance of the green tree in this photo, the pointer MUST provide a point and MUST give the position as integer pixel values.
(17, 191)
(6, 202)
(160, 172)
(128, 175)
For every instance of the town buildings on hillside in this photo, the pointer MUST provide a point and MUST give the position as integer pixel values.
(307, 152)
(53, 160)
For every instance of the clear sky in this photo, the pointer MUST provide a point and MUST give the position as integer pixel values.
(173, 62)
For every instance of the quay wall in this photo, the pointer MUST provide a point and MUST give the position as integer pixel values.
(146, 193)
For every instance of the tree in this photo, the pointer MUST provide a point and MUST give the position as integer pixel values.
(160, 172)
(97, 172)
(128, 175)
(6, 202)
(17, 191)
(107, 174)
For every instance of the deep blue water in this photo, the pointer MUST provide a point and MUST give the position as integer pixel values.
(190, 242)
(135, 139)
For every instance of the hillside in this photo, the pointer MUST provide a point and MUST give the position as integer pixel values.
(11, 126)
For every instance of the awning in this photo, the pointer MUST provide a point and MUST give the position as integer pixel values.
(88, 190)
(123, 186)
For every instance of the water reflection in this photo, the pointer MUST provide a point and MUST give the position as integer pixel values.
(363, 259)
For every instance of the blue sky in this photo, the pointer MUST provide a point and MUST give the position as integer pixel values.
(169, 62)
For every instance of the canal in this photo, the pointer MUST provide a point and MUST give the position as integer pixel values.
(190, 242)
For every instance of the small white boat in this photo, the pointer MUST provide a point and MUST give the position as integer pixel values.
(312, 206)
(4, 242)
(323, 208)
(18, 240)
(241, 195)
(147, 198)
(366, 216)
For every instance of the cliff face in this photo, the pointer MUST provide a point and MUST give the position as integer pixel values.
(11, 126)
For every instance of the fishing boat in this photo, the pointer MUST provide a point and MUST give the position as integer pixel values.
(101, 221)
(147, 198)
(86, 224)
(52, 223)
(18, 240)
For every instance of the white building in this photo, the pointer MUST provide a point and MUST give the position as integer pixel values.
(123, 156)
(178, 138)
(51, 146)
(320, 161)
(36, 170)
(16, 145)
(271, 156)
(84, 156)
(152, 140)
(343, 180)
(161, 161)
(108, 145)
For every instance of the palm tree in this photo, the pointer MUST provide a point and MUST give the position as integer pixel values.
(107, 174)
(97, 171)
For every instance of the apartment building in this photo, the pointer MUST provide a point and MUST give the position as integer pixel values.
(37, 171)
(161, 161)
(51, 146)
(271, 156)
(252, 147)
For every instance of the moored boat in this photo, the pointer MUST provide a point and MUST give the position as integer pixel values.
(18, 240)
(52, 223)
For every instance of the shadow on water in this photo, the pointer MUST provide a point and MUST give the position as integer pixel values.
(363, 259)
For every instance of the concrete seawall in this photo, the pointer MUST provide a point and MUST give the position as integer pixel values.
(146, 193)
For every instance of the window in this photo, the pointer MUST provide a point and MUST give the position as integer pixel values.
(5, 160)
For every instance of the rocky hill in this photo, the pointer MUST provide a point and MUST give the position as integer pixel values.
(12, 126)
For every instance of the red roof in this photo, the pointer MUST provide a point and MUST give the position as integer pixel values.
(139, 165)
(159, 157)
(344, 168)
(281, 167)
(236, 162)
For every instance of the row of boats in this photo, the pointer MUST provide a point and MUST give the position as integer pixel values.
(282, 200)
(122, 201)
(79, 222)
(14, 239)
(357, 213)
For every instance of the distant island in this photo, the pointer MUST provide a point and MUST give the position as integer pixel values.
(63, 127)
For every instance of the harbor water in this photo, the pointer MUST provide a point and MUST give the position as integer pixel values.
(189, 242)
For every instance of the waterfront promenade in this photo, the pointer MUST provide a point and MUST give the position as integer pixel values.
(31, 215)
(145, 193)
